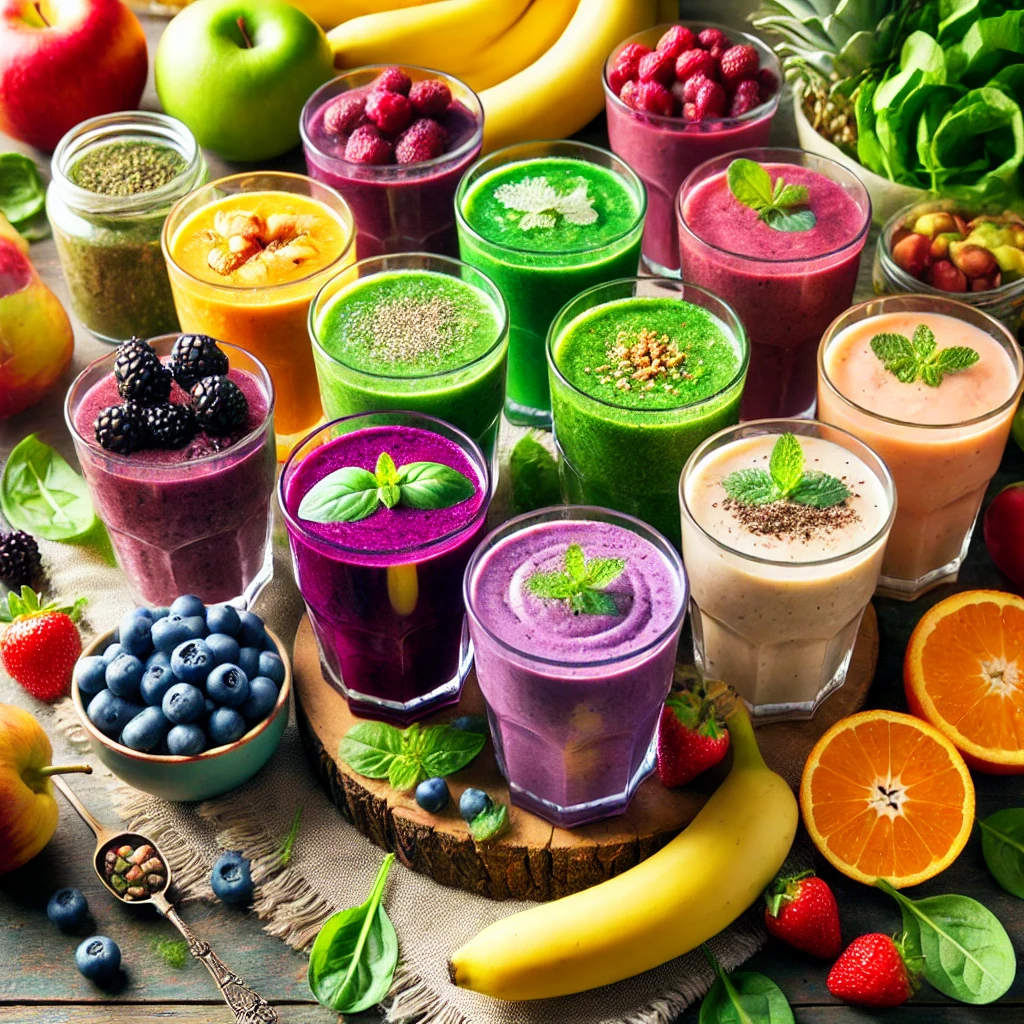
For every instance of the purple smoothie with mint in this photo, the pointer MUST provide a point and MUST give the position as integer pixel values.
(383, 584)
(575, 616)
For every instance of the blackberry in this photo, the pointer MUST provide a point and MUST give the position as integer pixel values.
(140, 375)
(20, 563)
(118, 429)
(220, 406)
(169, 426)
(195, 356)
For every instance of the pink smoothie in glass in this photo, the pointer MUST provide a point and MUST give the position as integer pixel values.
(786, 286)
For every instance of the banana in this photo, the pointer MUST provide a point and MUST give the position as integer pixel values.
(561, 91)
(665, 906)
(328, 13)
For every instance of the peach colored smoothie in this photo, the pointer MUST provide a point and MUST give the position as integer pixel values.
(942, 440)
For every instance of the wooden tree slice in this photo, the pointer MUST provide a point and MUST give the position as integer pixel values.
(531, 860)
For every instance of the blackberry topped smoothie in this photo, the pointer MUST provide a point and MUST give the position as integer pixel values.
(575, 616)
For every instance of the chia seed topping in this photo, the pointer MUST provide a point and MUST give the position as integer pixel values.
(642, 363)
(408, 330)
(127, 168)
(787, 519)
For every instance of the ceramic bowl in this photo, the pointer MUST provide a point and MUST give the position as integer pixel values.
(201, 776)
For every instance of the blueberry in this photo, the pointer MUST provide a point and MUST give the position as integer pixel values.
(157, 678)
(170, 631)
(110, 713)
(90, 674)
(145, 730)
(159, 613)
(192, 661)
(67, 909)
(228, 685)
(222, 618)
(225, 726)
(186, 741)
(187, 605)
(123, 676)
(271, 666)
(470, 723)
(135, 632)
(232, 880)
(251, 632)
(98, 958)
(249, 661)
(211, 706)
(268, 644)
(183, 703)
(197, 628)
(225, 648)
(261, 700)
(432, 795)
(473, 803)
(113, 651)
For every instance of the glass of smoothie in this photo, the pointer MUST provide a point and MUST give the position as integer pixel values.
(786, 285)
(545, 221)
(663, 149)
(246, 254)
(784, 525)
(941, 429)
(575, 614)
(642, 370)
(383, 584)
(194, 520)
(413, 331)
(407, 203)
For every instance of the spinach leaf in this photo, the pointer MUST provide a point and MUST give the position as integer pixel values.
(353, 959)
(966, 952)
(1002, 843)
(743, 998)
(534, 475)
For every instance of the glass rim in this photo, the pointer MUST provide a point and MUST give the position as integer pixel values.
(783, 153)
(500, 159)
(497, 298)
(833, 330)
(463, 440)
(673, 284)
(349, 226)
(888, 486)
(128, 460)
(395, 170)
(584, 513)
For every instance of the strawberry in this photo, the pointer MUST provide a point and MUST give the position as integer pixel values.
(692, 737)
(872, 972)
(738, 63)
(675, 40)
(424, 140)
(392, 80)
(695, 62)
(657, 67)
(41, 644)
(430, 97)
(344, 115)
(802, 912)
(713, 37)
(746, 97)
(654, 98)
(389, 111)
(710, 100)
(365, 146)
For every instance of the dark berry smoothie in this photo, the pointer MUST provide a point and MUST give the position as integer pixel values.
(384, 593)
(574, 688)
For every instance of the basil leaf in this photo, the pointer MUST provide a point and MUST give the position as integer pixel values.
(552, 586)
(750, 183)
(405, 772)
(602, 571)
(1002, 844)
(743, 998)
(431, 485)
(489, 823)
(344, 496)
(786, 464)
(789, 220)
(965, 951)
(789, 195)
(353, 959)
(35, 227)
(819, 490)
(369, 748)
(593, 602)
(751, 487)
(21, 188)
(386, 473)
(389, 495)
(575, 563)
(446, 751)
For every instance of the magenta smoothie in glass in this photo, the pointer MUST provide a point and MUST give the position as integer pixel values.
(187, 509)
(397, 161)
(575, 615)
(663, 136)
(788, 270)
(382, 579)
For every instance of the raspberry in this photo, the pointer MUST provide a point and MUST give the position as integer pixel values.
(389, 111)
(392, 80)
(716, 52)
(690, 111)
(691, 85)
(630, 95)
(677, 39)
(430, 97)
(713, 37)
(694, 62)
(654, 98)
(657, 67)
(424, 140)
(621, 73)
(344, 115)
(365, 146)
(710, 100)
(632, 52)
(738, 63)
(677, 89)
(746, 97)
(768, 82)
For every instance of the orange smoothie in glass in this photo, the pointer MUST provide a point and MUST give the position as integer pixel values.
(931, 385)
(246, 256)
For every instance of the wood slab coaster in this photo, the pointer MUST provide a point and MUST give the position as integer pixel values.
(531, 860)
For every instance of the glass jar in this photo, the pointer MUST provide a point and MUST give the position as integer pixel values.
(109, 246)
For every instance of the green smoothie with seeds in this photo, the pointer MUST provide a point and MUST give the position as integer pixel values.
(641, 372)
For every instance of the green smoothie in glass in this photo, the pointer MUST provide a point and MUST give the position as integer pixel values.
(546, 221)
(417, 332)
(641, 371)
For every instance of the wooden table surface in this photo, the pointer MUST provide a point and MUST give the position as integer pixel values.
(38, 981)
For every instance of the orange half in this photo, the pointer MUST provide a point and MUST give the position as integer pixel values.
(885, 795)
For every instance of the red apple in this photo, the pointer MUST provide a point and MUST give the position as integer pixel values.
(1004, 532)
(62, 61)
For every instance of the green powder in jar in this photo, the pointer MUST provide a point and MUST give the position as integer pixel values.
(127, 168)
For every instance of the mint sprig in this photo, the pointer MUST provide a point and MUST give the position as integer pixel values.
(776, 204)
(786, 480)
(910, 358)
(581, 583)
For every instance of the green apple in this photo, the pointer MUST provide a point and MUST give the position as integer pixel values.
(1018, 425)
(237, 72)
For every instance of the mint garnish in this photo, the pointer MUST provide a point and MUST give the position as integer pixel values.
(350, 494)
(542, 205)
(580, 583)
(752, 185)
(786, 480)
(910, 358)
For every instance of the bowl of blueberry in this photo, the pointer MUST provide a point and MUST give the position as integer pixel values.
(185, 702)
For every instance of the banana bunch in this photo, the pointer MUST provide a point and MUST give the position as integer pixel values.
(665, 906)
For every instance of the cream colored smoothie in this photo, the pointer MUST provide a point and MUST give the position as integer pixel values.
(931, 386)
(784, 524)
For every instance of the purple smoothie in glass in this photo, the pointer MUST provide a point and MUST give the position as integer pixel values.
(384, 593)
(574, 698)
(397, 207)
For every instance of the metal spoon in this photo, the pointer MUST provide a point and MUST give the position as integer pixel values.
(246, 1005)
